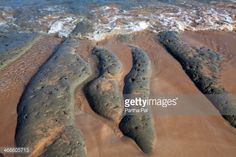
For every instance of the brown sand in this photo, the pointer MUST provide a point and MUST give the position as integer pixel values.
(180, 134)
(13, 80)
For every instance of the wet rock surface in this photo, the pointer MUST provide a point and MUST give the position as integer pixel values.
(109, 64)
(67, 146)
(103, 93)
(14, 44)
(139, 126)
(46, 110)
(141, 129)
(82, 29)
(138, 79)
(202, 66)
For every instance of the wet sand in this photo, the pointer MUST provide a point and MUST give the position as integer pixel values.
(13, 80)
(192, 128)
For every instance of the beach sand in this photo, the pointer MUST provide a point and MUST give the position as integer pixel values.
(192, 128)
(177, 134)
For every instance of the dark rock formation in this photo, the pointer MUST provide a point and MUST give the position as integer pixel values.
(46, 110)
(103, 93)
(138, 79)
(82, 29)
(109, 65)
(202, 66)
(139, 126)
(141, 129)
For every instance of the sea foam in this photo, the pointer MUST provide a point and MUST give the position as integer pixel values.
(63, 26)
(111, 19)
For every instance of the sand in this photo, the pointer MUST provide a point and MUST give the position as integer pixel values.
(192, 128)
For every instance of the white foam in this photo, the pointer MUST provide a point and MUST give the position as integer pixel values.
(101, 31)
(112, 21)
(63, 27)
(2, 23)
(53, 9)
(6, 18)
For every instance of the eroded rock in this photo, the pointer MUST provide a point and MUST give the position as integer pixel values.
(82, 29)
(103, 92)
(46, 110)
(138, 79)
(202, 66)
(138, 126)
(109, 64)
(141, 129)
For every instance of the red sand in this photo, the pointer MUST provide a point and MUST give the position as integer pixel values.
(177, 134)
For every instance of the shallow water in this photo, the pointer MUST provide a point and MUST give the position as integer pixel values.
(116, 16)
(20, 3)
